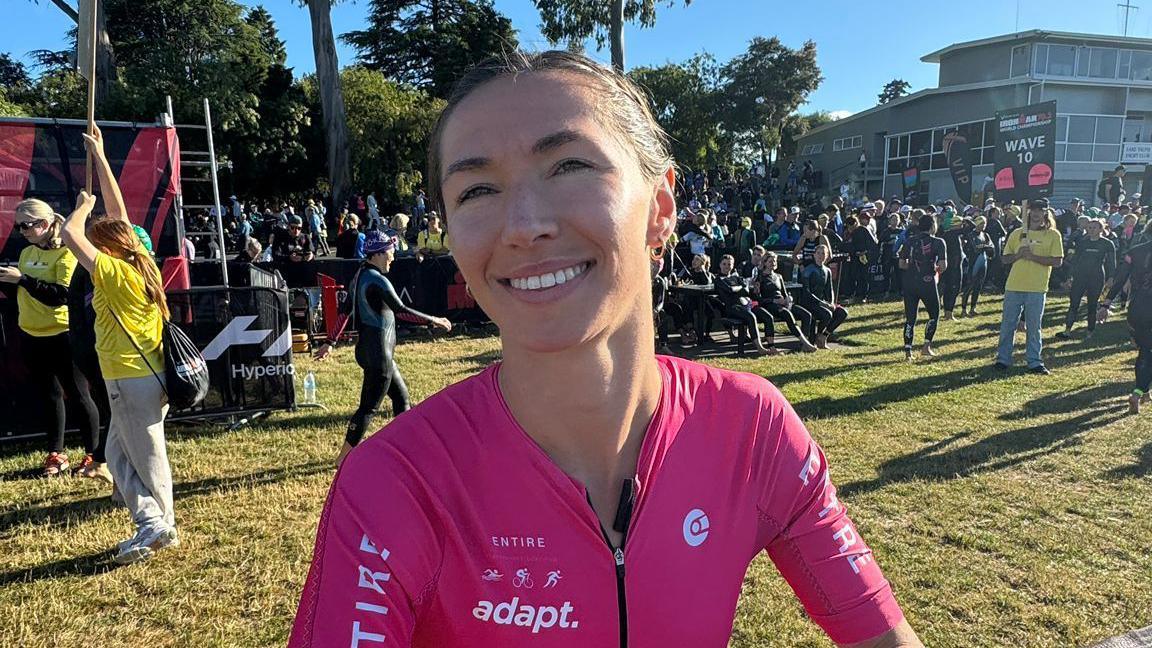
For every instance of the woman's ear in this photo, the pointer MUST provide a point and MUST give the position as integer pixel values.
(662, 211)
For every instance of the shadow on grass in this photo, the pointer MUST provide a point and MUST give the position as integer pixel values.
(946, 459)
(884, 395)
(78, 511)
(1142, 467)
(90, 565)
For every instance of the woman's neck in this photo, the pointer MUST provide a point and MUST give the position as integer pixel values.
(587, 407)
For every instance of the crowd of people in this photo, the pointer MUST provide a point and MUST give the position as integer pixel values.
(579, 398)
(282, 233)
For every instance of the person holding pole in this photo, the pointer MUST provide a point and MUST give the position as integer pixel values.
(1031, 251)
(131, 308)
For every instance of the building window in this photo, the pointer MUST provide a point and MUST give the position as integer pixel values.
(812, 149)
(1087, 138)
(925, 149)
(848, 143)
(1141, 66)
(1055, 60)
(1021, 54)
(1102, 64)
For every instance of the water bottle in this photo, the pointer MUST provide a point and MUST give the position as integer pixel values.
(310, 388)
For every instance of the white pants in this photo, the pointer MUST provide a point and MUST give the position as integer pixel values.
(137, 456)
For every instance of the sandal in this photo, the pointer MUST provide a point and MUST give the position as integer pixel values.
(55, 464)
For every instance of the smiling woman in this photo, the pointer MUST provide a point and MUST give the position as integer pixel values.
(649, 482)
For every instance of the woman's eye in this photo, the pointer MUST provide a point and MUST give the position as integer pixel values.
(571, 165)
(472, 193)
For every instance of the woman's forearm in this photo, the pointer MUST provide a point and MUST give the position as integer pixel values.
(110, 189)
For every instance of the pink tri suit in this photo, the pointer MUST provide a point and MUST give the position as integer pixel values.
(451, 527)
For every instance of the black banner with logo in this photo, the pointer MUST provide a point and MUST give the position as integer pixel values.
(959, 155)
(1025, 152)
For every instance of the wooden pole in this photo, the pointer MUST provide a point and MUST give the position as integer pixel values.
(91, 97)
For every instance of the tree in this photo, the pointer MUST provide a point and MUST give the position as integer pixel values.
(765, 85)
(331, 99)
(9, 108)
(273, 158)
(566, 20)
(894, 89)
(430, 43)
(796, 126)
(685, 101)
(105, 56)
(389, 124)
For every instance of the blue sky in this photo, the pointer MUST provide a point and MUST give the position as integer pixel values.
(861, 45)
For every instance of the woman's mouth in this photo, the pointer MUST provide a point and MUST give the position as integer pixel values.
(548, 279)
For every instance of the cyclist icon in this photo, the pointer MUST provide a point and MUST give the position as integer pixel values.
(523, 579)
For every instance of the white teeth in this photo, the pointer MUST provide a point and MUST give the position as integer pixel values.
(550, 279)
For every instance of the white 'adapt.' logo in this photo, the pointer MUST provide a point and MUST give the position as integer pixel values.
(525, 616)
(695, 528)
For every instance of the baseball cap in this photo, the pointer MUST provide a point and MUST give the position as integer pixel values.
(295, 220)
(794, 210)
(1039, 203)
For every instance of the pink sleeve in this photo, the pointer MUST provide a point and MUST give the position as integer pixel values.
(375, 561)
(812, 541)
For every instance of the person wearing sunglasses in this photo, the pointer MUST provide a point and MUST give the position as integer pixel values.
(41, 280)
(292, 245)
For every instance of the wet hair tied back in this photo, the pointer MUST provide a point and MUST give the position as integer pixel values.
(622, 106)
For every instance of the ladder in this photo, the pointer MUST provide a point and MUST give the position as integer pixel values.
(199, 168)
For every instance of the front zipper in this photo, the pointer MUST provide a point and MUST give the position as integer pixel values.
(621, 597)
(623, 519)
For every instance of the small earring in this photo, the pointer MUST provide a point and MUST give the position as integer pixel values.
(654, 255)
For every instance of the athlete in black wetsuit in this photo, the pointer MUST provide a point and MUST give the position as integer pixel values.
(952, 278)
(1137, 268)
(923, 257)
(1092, 265)
(979, 249)
(732, 290)
(373, 303)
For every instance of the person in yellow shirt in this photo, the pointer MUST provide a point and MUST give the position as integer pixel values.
(433, 241)
(131, 308)
(1032, 251)
(41, 278)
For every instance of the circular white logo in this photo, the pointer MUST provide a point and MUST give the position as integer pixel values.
(695, 528)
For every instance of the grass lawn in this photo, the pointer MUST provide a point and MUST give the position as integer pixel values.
(1006, 509)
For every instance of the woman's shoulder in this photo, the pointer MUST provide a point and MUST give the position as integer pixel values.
(694, 381)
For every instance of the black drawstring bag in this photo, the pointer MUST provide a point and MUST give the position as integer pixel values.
(185, 370)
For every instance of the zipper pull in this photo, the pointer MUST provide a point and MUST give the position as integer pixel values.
(619, 556)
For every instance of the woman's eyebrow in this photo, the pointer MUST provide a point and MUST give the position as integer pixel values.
(555, 140)
(545, 144)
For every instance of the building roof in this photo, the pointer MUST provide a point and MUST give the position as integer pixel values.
(935, 57)
(914, 96)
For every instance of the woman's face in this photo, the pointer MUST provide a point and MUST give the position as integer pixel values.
(820, 256)
(32, 229)
(434, 224)
(725, 266)
(534, 186)
(770, 263)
